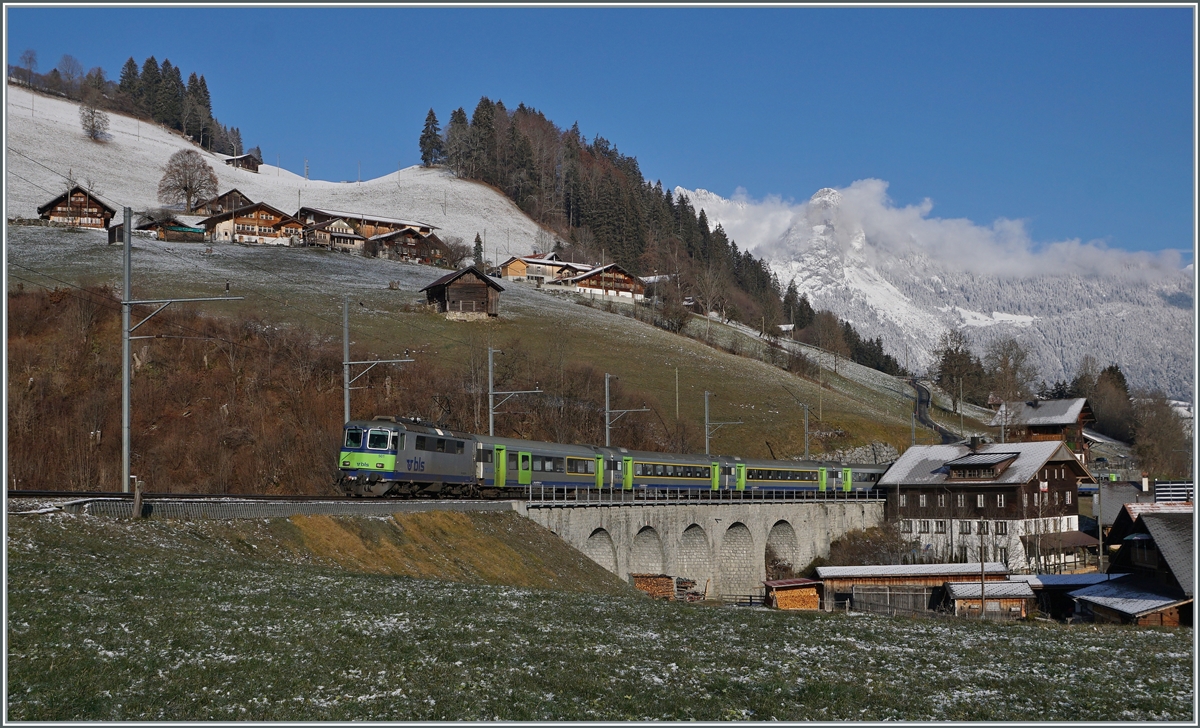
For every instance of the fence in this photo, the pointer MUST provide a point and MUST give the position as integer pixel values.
(891, 600)
(545, 496)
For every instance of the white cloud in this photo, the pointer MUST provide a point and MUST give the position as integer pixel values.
(1003, 248)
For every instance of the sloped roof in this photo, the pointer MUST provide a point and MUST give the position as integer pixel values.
(1172, 534)
(364, 216)
(994, 589)
(1065, 581)
(982, 458)
(1060, 540)
(451, 277)
(850, 572)
(600, 269)
(1114, 496)
(283, 216)
(1133, 596)
(72, 191)
(926, 464)
(1040, 412)
(781, 583)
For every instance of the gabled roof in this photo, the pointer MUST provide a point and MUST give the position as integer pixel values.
(283, 216)
(49, 205)
(1172, 534)
(364, 216)
(1114, 496)
(993, 589)
(926, 464)
(967, 569)
(1065, 581)
(1133, 595)
(231, 191)
(588, 274)
(1041, 412)
(451, 277)
(778, 583)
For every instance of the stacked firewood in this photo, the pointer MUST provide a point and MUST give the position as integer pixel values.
(658, 586)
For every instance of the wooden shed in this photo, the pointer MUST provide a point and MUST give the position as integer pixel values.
(793, 593)
(1003, 599)
(244, 161)
(465, 294)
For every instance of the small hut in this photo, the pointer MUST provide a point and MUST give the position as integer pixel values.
(793, 593)
(465, 294)
(244, 161)
(1003, 599)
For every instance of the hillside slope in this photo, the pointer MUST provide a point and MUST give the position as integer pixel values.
(46, 144)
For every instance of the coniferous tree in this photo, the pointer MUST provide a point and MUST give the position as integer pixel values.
(458, 142)
(148, 88)
(129, 78)
(478, 254)
(483, 141)
(432, 148)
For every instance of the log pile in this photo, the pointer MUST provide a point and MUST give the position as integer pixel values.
(658, 586)
(797, 598)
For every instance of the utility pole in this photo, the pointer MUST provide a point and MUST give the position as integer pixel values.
(961, 429)
(346, 363)
(676, 394)
(609, 412)
(914, 429)
(805, 406)
(710, 428)
(492, 393)
(126, 308)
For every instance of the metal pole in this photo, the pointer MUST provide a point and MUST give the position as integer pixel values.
(676, 394)
(346, 358)
(914, 428)
(961, 430)
(126, 375)
(491, 397)
(705, 422)
(607, 426)
(806, 432)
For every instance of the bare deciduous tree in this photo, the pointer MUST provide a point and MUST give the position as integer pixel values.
(711, 285)
(70, 70)
(29, 63)
(93, 120)
(187, 179)
(1009, 369)
(456, 251)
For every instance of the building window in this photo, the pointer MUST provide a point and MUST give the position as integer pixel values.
(1002, 554)
(923, 526)
(962, 553)
(1056, 497)
(962, 500)
(903, 500)
(1001, 528)
(921, 498)
(983, 528)
(1068, 496)
(1025, 500)
(939, 526)
(964, 527)
(941, 500)
(999, 500)
(906, 526)
(979, 500)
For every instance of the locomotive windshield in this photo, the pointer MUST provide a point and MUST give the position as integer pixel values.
(378, 439)
(353, 438)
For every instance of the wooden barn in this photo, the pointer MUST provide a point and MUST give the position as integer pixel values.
(793, 593)
(244, 161)
(365, 225)
(170, 229)
(77, 208)
(258, 223)
(841, 582)
(465, 294)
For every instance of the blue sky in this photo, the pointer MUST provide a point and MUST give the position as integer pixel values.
(1079, 121)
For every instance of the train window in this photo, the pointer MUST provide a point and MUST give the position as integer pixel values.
(397, 440)
(671, 470)
(537, 462)
(658, 470)
(441, 445)
(560, 465)
(485, 456)
(377, 439)
(512, 461)
(707, 472)
(353, 438)
(458, 447)
(420, 444)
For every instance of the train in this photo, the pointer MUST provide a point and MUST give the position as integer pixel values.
(402, 457)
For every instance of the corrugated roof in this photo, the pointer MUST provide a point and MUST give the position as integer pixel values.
(994, 589)
(1172, 533)
(1059, 581)
(926, 464)
(1130, 596)
(1040, 412)
(777, 583)
(849, 572)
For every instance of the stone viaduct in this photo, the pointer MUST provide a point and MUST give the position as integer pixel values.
(722, 546)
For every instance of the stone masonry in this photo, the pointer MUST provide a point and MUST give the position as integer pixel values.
(722, 546)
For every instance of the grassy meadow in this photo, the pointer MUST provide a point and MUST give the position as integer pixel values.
(305, 620)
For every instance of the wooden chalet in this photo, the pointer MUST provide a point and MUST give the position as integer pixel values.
(793, 594)
(541, 269)
(956, 500)
(244, 161)
(465, 294)
(231, 200)
(335, 234)
(607, 280)
(258, 223)
(1060, 420)
(1159, 586)
(410, 245)
(365, 225)
(77, 208)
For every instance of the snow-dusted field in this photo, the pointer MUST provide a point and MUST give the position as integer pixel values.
(46, 144)
(117, 620)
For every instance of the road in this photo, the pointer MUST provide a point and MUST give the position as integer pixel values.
(923, 399)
